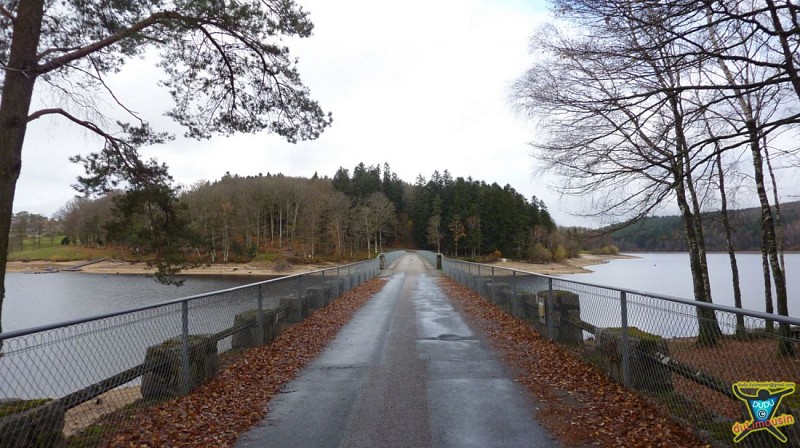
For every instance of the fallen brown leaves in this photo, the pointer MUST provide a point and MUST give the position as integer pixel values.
(731, 361)
(579, 404)
(236, 399)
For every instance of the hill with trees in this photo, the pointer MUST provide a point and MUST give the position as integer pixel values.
(665, 233)
(350, 215)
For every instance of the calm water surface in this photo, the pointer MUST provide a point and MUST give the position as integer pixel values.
(33, 300)
(669, 274)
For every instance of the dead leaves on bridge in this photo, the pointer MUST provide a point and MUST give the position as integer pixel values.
(236, 399)
(578, 403)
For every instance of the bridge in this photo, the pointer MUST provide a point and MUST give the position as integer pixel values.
(409, 368)
(406, 371)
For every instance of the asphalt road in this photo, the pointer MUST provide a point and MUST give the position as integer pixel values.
(407, 371)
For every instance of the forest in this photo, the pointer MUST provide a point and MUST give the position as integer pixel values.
(347, 216)
(665, 233)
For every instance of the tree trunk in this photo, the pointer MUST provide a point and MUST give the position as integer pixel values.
(786, 47)
(708, 327)
(785, 347)
(271, 226)
(258, 231)
(768, 308)
(770, 242)
(778, 226)
(14, 108)
(706, 319)
(726, 224)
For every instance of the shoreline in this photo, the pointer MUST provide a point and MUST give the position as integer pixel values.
(565, 267)
(116, 267)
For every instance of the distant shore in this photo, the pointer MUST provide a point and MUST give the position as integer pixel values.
(567, 266)
(114, 267)
(127, 268)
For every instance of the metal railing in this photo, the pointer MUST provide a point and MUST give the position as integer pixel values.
(656, 344)
(149, 353)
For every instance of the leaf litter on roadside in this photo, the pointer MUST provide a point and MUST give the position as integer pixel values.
(577, 402)
(236, 399)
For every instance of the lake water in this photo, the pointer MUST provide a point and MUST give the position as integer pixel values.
(33, 300)
(94, 352)
(57, 362)
(669, 274)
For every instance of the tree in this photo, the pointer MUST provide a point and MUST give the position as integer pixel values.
(19, 228)
(337, 223)
(225, 69)
(457, 231)
(382, 214)
(435, 231)
(619, 126)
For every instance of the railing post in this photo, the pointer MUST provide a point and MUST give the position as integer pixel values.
(514, 284)
(477, 281)
(339, 291)
(298, 306)
(323, 290)
(626, 347)
(185, 346)
(514, 303)
(261, 333)
(491, 289)
(549, 313)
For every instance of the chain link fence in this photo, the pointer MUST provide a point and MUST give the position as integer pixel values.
(689, 357)
(57, 380)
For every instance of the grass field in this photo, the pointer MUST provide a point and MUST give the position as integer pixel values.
(54, 251)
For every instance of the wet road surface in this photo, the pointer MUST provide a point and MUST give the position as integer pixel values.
(407, 371)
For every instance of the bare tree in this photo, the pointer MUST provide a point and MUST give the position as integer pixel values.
(458, 231)
(338, 223)
(618, 127)
(383, 213)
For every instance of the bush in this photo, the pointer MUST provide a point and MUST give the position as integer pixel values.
(559, 253)
(282, 264)
(608, 249)
(494, 256)
(540, 254)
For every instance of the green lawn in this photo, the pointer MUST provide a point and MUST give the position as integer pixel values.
(54, 251)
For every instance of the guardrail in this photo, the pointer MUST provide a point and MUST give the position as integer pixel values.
(148, 353)
(650, 343)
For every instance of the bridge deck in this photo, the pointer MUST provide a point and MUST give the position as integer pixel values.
(407, 371)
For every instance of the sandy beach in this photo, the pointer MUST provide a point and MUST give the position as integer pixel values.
(124, 267)
(568, 266)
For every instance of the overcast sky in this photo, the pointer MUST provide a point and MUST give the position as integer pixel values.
(422, 85)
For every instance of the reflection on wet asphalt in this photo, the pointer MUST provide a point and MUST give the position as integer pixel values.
(407, 371)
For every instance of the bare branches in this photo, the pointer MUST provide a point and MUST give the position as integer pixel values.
(5, 12)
